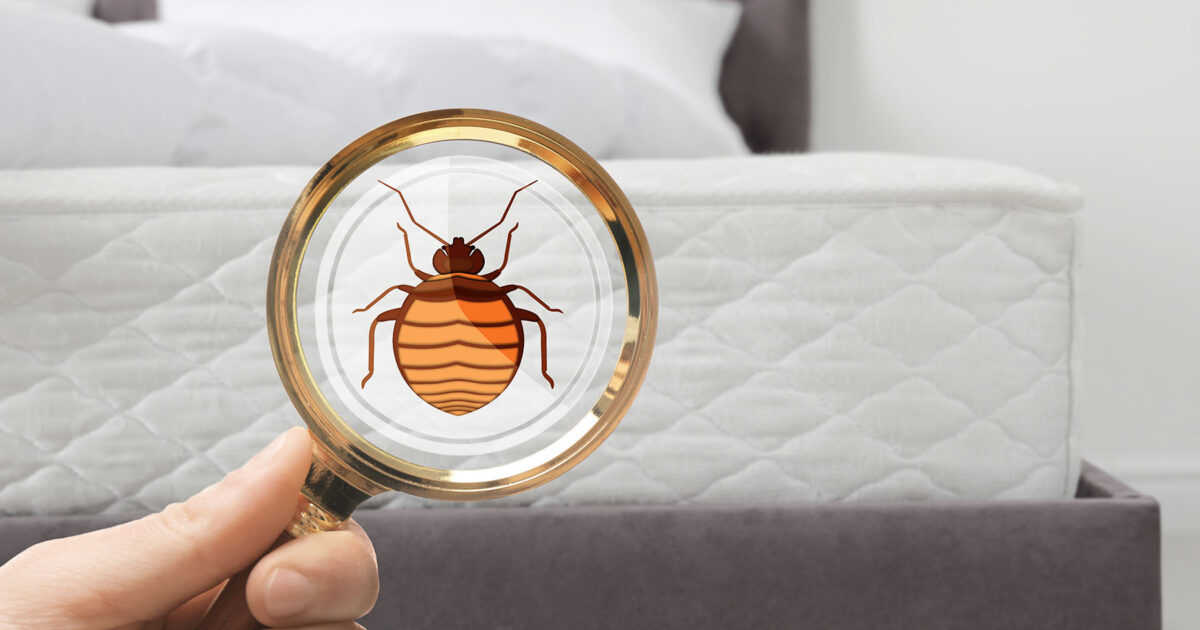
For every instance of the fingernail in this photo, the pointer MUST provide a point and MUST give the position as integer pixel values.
(288, 593)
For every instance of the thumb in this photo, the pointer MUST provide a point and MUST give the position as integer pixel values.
(143, 569)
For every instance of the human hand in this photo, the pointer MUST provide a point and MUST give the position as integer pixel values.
(162, 571)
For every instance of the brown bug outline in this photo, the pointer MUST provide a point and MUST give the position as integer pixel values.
(458, 264)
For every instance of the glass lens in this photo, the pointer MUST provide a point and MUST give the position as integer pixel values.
(462, 305)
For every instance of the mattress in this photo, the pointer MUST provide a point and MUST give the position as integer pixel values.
(834, 327)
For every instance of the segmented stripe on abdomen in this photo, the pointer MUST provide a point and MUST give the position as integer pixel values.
(452, 363)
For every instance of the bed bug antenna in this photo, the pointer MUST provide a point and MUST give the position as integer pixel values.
(410, 214)
(503, 216)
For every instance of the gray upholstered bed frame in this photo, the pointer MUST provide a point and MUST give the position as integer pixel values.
(1089, 563)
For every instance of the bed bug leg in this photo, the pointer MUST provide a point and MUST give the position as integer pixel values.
(492, 275)
(399, 287)
(385, 316)
(514, 287)
(529, 316)
(408, 254)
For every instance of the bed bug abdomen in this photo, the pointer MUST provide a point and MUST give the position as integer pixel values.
(458, 350)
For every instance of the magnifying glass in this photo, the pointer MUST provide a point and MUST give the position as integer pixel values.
(461, 305)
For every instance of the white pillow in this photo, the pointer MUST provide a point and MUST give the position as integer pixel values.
(677, 41)
(265, 100)
(193, 94)
(421, 71)
(276, 100)
(608, 110)
(672, 48)
(279, 101)
(76, 92)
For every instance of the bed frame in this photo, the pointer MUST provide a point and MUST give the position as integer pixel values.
(1088, 563)
(1091, 563)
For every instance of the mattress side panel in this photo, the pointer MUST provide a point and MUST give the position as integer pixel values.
(807, 352)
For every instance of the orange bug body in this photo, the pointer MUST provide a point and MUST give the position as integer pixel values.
(458, 339)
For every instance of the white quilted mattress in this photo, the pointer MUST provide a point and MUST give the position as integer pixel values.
(833, 328)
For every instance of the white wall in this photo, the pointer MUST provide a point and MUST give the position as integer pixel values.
(1102, 94)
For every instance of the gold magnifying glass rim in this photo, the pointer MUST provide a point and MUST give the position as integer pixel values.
(372, 469)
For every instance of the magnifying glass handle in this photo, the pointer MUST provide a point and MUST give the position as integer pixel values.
(229, 610)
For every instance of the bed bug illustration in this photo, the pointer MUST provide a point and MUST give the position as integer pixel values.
(458, 339)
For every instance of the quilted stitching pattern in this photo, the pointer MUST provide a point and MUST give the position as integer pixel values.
(817, 341)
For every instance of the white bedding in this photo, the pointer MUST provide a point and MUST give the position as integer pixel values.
(198, 93)
(833, 328)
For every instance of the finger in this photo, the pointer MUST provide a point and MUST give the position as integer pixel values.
(144, 568)
(325, 577)
(188, 614)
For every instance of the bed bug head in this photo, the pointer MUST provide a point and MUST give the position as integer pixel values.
(458, 257)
